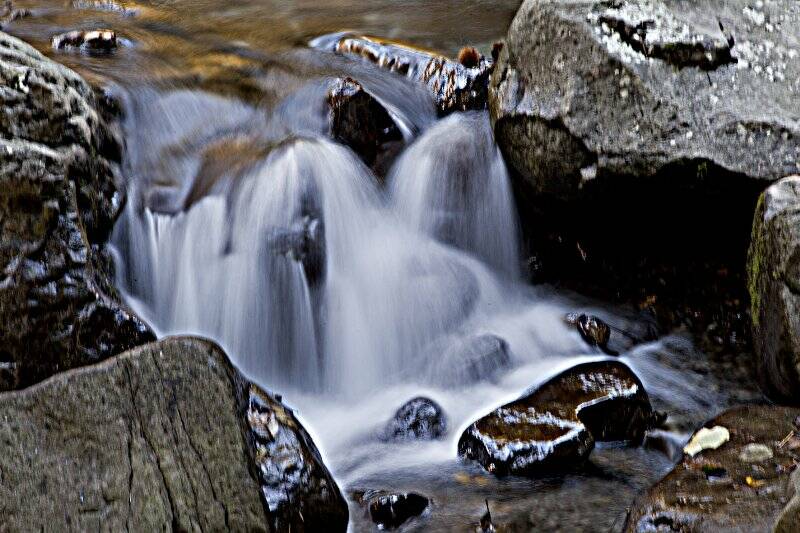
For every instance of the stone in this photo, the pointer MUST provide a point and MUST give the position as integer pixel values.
(454, 85)
(58, 202)
(755, 453)
(165, 436)
(555, 426)
(748, 497)
(390, 511)
(464, 361)
(358, 120)
(92, 40)
(418, 419)
(773, 270)
(707, 439)
(596, 91)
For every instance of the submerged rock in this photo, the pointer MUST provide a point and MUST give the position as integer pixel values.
(774, 285)
(390, 511)
(417, 419)
(556, 425)
(467, 361)
(362, 123)
(589, 91)
(165, 436)
(455, 86)
(58, 203)
(717, 491)
(92, 40)
(304, 242)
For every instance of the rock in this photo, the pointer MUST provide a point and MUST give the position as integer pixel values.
(58, 203)
(593, 330)
(751, 497)
(417, 419)
(390, 511)
(463, 361)
(304, 242)
(300, 493)
(755, 453)
(774, 284)
(707, 439)
(92, 40)
(362, 123)
(556, 425)
(589, 91)
(8, 13)
(790, 517)
(165, 436)
(455, 86)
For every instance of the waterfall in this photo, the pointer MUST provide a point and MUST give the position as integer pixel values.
(309, 273)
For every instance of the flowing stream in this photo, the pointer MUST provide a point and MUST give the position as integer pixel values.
(346, 292)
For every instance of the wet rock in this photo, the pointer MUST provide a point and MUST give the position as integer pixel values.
(362, 123)
(752, 497)
(300, 493)
(774, 286)
(455, 86)
(91, 40)
(592, 91)
(8, 13)
(58, 202)
(304, 242)
(556, 425)
(390, 511)
(593, 330)
(755, 453)
(165, 436)
(418, 419)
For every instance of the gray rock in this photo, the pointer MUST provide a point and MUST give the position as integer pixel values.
(774, 286)
(588, 91)
(165, 436)
(689, 499)
(58, 202)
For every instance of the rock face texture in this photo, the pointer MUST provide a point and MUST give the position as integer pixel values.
(591, 90)
(58, 202)
(724, 490)
(167, 435)
(556, 425)
(774, 283)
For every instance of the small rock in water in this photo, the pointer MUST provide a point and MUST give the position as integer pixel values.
(390, 511)
(707, 439)
(418, 419)
(556, 425)
(486, 524)
(362, 123)
(755, 453)
(98, 40)
(593, 330)
(466, 361)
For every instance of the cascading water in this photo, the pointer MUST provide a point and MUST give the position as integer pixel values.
(351, 297)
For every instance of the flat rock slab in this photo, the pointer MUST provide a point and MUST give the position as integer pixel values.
(590, 90)
(165, 436)
(556, 425)
(774, 285)
(723, 489)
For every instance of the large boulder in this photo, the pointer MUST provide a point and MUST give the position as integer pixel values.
(166, 436)
(774, 284)
(591, 90)
(556, 425)
(58, 202)
(744, 484)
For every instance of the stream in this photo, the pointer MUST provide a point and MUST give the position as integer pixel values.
(350, 293)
